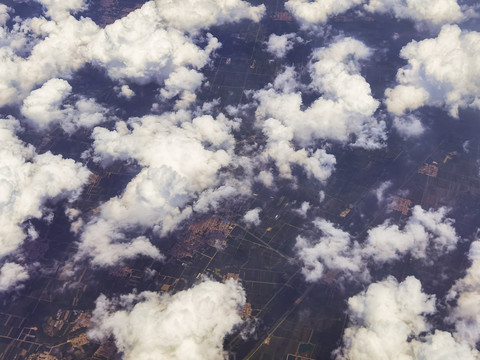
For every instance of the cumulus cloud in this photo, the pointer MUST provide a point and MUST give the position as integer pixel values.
(424, 230)
(27, 181)
(334, 250)
(59, 50)
(318, 11)
(190, 324)
(344, 112)
(303, 210)
(437, 12)
(408, 126)
(11, 276)
(62, 44)
(441, 71)
(46, 106)
(280, 45)
(252, 217)
(346, 106)
(466, 292)
(388, 322)
(205, 13)
(425, 234)
(125, 92)
(165, 26)
(60, 9)
(181, 157)
(4, 10)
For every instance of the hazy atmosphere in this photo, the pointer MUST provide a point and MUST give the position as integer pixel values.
(233, 179)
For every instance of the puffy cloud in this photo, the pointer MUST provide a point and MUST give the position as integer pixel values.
(280, 45)
(346, 106)
(60, 52)
(154, 197)
(27, 181)
(252, 217)
(266, 178)
(387, 322)
(64, 44)
(317, 164)
(425, 233)
(165, 26)
(441, 345)
(182, 156)
(11, 276)
(318, 11)
(334, 250)
(303, 210)
(205, 13)
(344, 111)
(405, 97)
(127, 54)
(408, 126)
(196, 148)
(4, 10)
(60, 9)
(466, 291)
(441, 71)
(383, 317)
(190, 324)
(45, 106)
(125, 92)
(437, 12)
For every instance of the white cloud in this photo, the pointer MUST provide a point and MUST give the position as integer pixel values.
(408, 126)
(441, 71)
(344, 112)
(346, 106)
(265, 177)
(46, 106)
(128, 54)
(425, 235)
(387, 322)
(11, 276)
(441, 345)
(182, 156)
(194, 147)
(155, 197)
(405, 97)
(27, 181)
(163, 44)
(4, 17)
(205, 13)
(125, 92)
(317, 164)
(383, 317)
(334, 250)
(424, 231)
(252, 217)
(280, 45)
(437, 12)
(303, 210)
(60, 9)
(189, 325)
(466, 291)
(381, 189)
(318, 11)
(59, 50)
